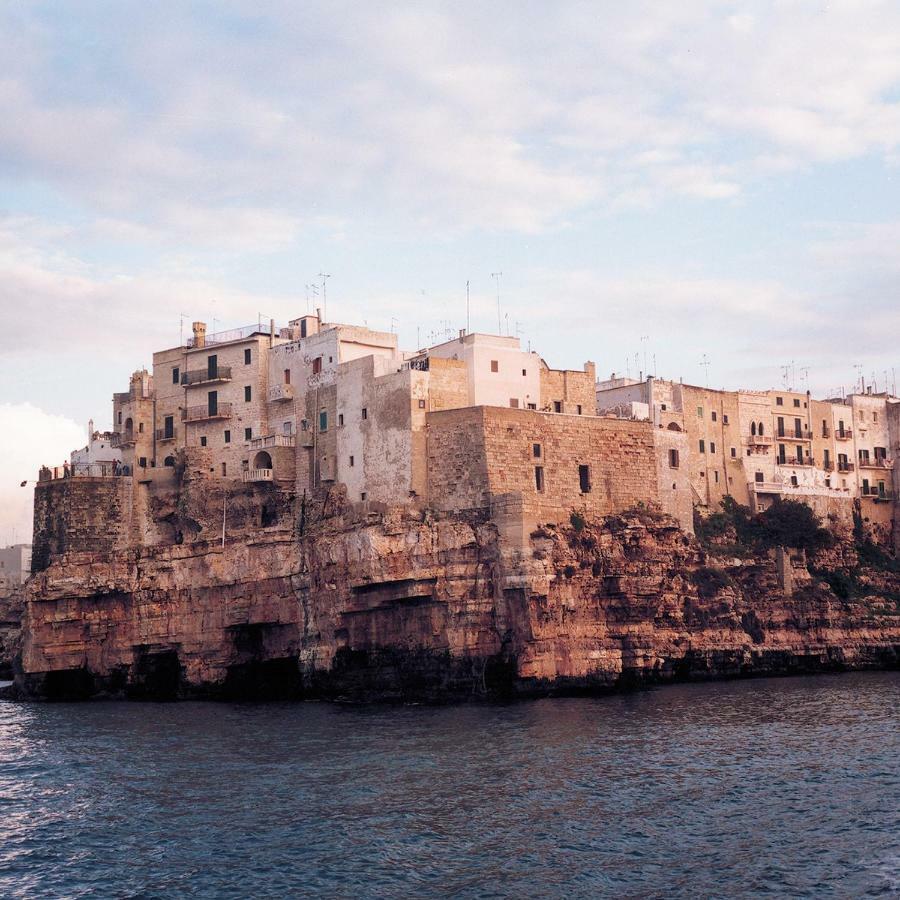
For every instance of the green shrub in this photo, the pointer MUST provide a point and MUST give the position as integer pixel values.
(710, 581)
(577, 520)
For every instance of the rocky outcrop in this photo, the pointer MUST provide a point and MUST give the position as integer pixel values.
(408, 606)
(12, 606)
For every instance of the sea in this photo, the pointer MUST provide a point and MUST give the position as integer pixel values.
(770, 787)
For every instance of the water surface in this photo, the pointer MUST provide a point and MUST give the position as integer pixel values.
(783, 786)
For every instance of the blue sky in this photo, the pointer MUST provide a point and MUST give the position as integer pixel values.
(682, 179)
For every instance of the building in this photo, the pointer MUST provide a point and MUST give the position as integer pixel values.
(15, 566)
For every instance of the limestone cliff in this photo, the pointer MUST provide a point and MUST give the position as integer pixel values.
(404, 605)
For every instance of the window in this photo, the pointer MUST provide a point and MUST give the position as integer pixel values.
(874, 416)
(539, 479)
(699, 412)
(584, 479)
(758, 477)
(340, 420)
(716, 476)
(781, 426)
(224, 470)
(212, 403)
(734, 452)
(247, 356)
(421, 404)
(712, 446)
(865, 486)
(724, 418)
(702, 446)
(120, 416)
(303, 328)
(248, 434)
(176, 375)
(142, 462)
(782, 454)
(287, 376)
(663, 407)
(760, 429)
(794, 481)
(248, 393)
(532, 405)
(140, 427)
(524, 372)
(536, 451)
(212, 367)
(317, 365)
(362, 496)
(800, 453)
(495, 365)
(779, 401)
(578, 409)
(753, 428)
(796, 402)
(365, 413)
(514, 402)
(798, 428)
(169, 427)
(351, 460)
(323, 421)
(557, 406)
(203, 440)
(713, 415)
(673, 459)
(227, 436)
(288, 428)
(304, 425)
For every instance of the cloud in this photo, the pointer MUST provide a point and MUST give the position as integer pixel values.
(32, 437)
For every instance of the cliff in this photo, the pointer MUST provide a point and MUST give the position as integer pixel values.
(12, 606)
(405, 605)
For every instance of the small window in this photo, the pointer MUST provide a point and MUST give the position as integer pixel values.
(532, 405)
(495, 365)
(702, 446)
(584, 479)
(421, 404)
(340, 420)
(287, 376)
(227, 437)
(176, 375)
(794, 481)
(733, 452)
(536, 451)
(713, 415)
(673, 459)
(248, 434)
(557, 406)
(724, 418)
(699, 412)
(203, 440)
(317, 365)
(758, 477)
(796, 402)
(716, 477)
(351, 460)
(524, 372)
(120, 416)
(514, 402)
(365, 413)
(140, 427)
(712, 446)
(578, 409)
(539, 479)
(248, 393)
(247, 356)
(874, 416)
(304, 425)
(142, 462)
(779, 401)
(362, 496)
(224, 469)
(662, 406)
(323, 421)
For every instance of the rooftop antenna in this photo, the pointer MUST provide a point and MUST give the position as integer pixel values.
(705, 363)
(654, 365)
(498, 276)
(506, 317)
(786, 377)
(467, 306)
(182, 316)
(324, 276)
(644, 339)
(393, 323)
(858, 368)
(804, 376)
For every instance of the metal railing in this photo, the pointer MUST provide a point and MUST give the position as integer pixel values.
(201, 413)
(204, 376)
(234, 334)
(163, 435)
(875, 463)
(419, 364)
(845, 467)
(82, 470)
(796, 461)
(843, 435)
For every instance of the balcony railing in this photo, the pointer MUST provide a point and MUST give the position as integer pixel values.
(419, 363)
(845, 435)
(204, 413)
(758, 440)
(828, 466)
(273, 440)
(796, 461)
(281, 392)
(163, 435)
(845, 466)
(257, 475)
(826, 431)
(205, 376)
(767, 487)
(876, 463)
(875, 493)
(235, 334)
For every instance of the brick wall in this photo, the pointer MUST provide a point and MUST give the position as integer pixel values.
(569, 387)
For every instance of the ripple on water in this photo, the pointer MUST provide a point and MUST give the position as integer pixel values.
(784, 786)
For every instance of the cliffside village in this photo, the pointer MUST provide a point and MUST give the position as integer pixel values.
(479, 422)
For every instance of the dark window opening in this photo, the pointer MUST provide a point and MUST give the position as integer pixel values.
(584, 479)
(557, 406)
(539, 479)
(673, 459)
(247, 356)
(203, 440)
(248, 393)
(176, 375)
(227, 436)
(536, 451)
(495, 365)
(248, 434)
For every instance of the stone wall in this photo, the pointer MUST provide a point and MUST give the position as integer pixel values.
(573, 390)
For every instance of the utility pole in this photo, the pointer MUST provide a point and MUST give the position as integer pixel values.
(324, 276)
(498, 276)
(468, 326)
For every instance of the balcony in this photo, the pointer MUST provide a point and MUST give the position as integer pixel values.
(767, 487)
(845, 435)
(205, 413)
(876, 463)
(795, 461)
(257, 475)
(845, 466)
(273, 440)
(281, 392)
(826, 431)
(758, 440)
(803, 435)
(162, 435)
(879, 496)
(828, 466)
(205, 376)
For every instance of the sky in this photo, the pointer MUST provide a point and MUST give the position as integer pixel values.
(704, 190)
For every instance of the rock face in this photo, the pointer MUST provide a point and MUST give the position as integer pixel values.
(12, 606)
(408, 606)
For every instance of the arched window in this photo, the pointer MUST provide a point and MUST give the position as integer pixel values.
(760, 429)
(129, 429)
(169, 461)
(262, 460)
(753, 428)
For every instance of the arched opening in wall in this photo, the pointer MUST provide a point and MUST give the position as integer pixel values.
(760, 429)
(129, 429)
(262, 460)
(169, 461)
(673, 426)
(753, 428)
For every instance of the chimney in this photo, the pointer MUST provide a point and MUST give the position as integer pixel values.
(271, 332)
(462, 333)
(199, 334)
(319, 314)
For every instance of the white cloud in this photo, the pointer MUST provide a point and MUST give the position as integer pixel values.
(31, 438)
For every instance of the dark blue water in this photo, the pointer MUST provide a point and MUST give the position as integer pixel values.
(768, 787)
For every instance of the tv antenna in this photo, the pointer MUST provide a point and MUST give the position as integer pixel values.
(644, 339)
(467, 306)
(498, 276)
(706, 363)
(324, 276)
